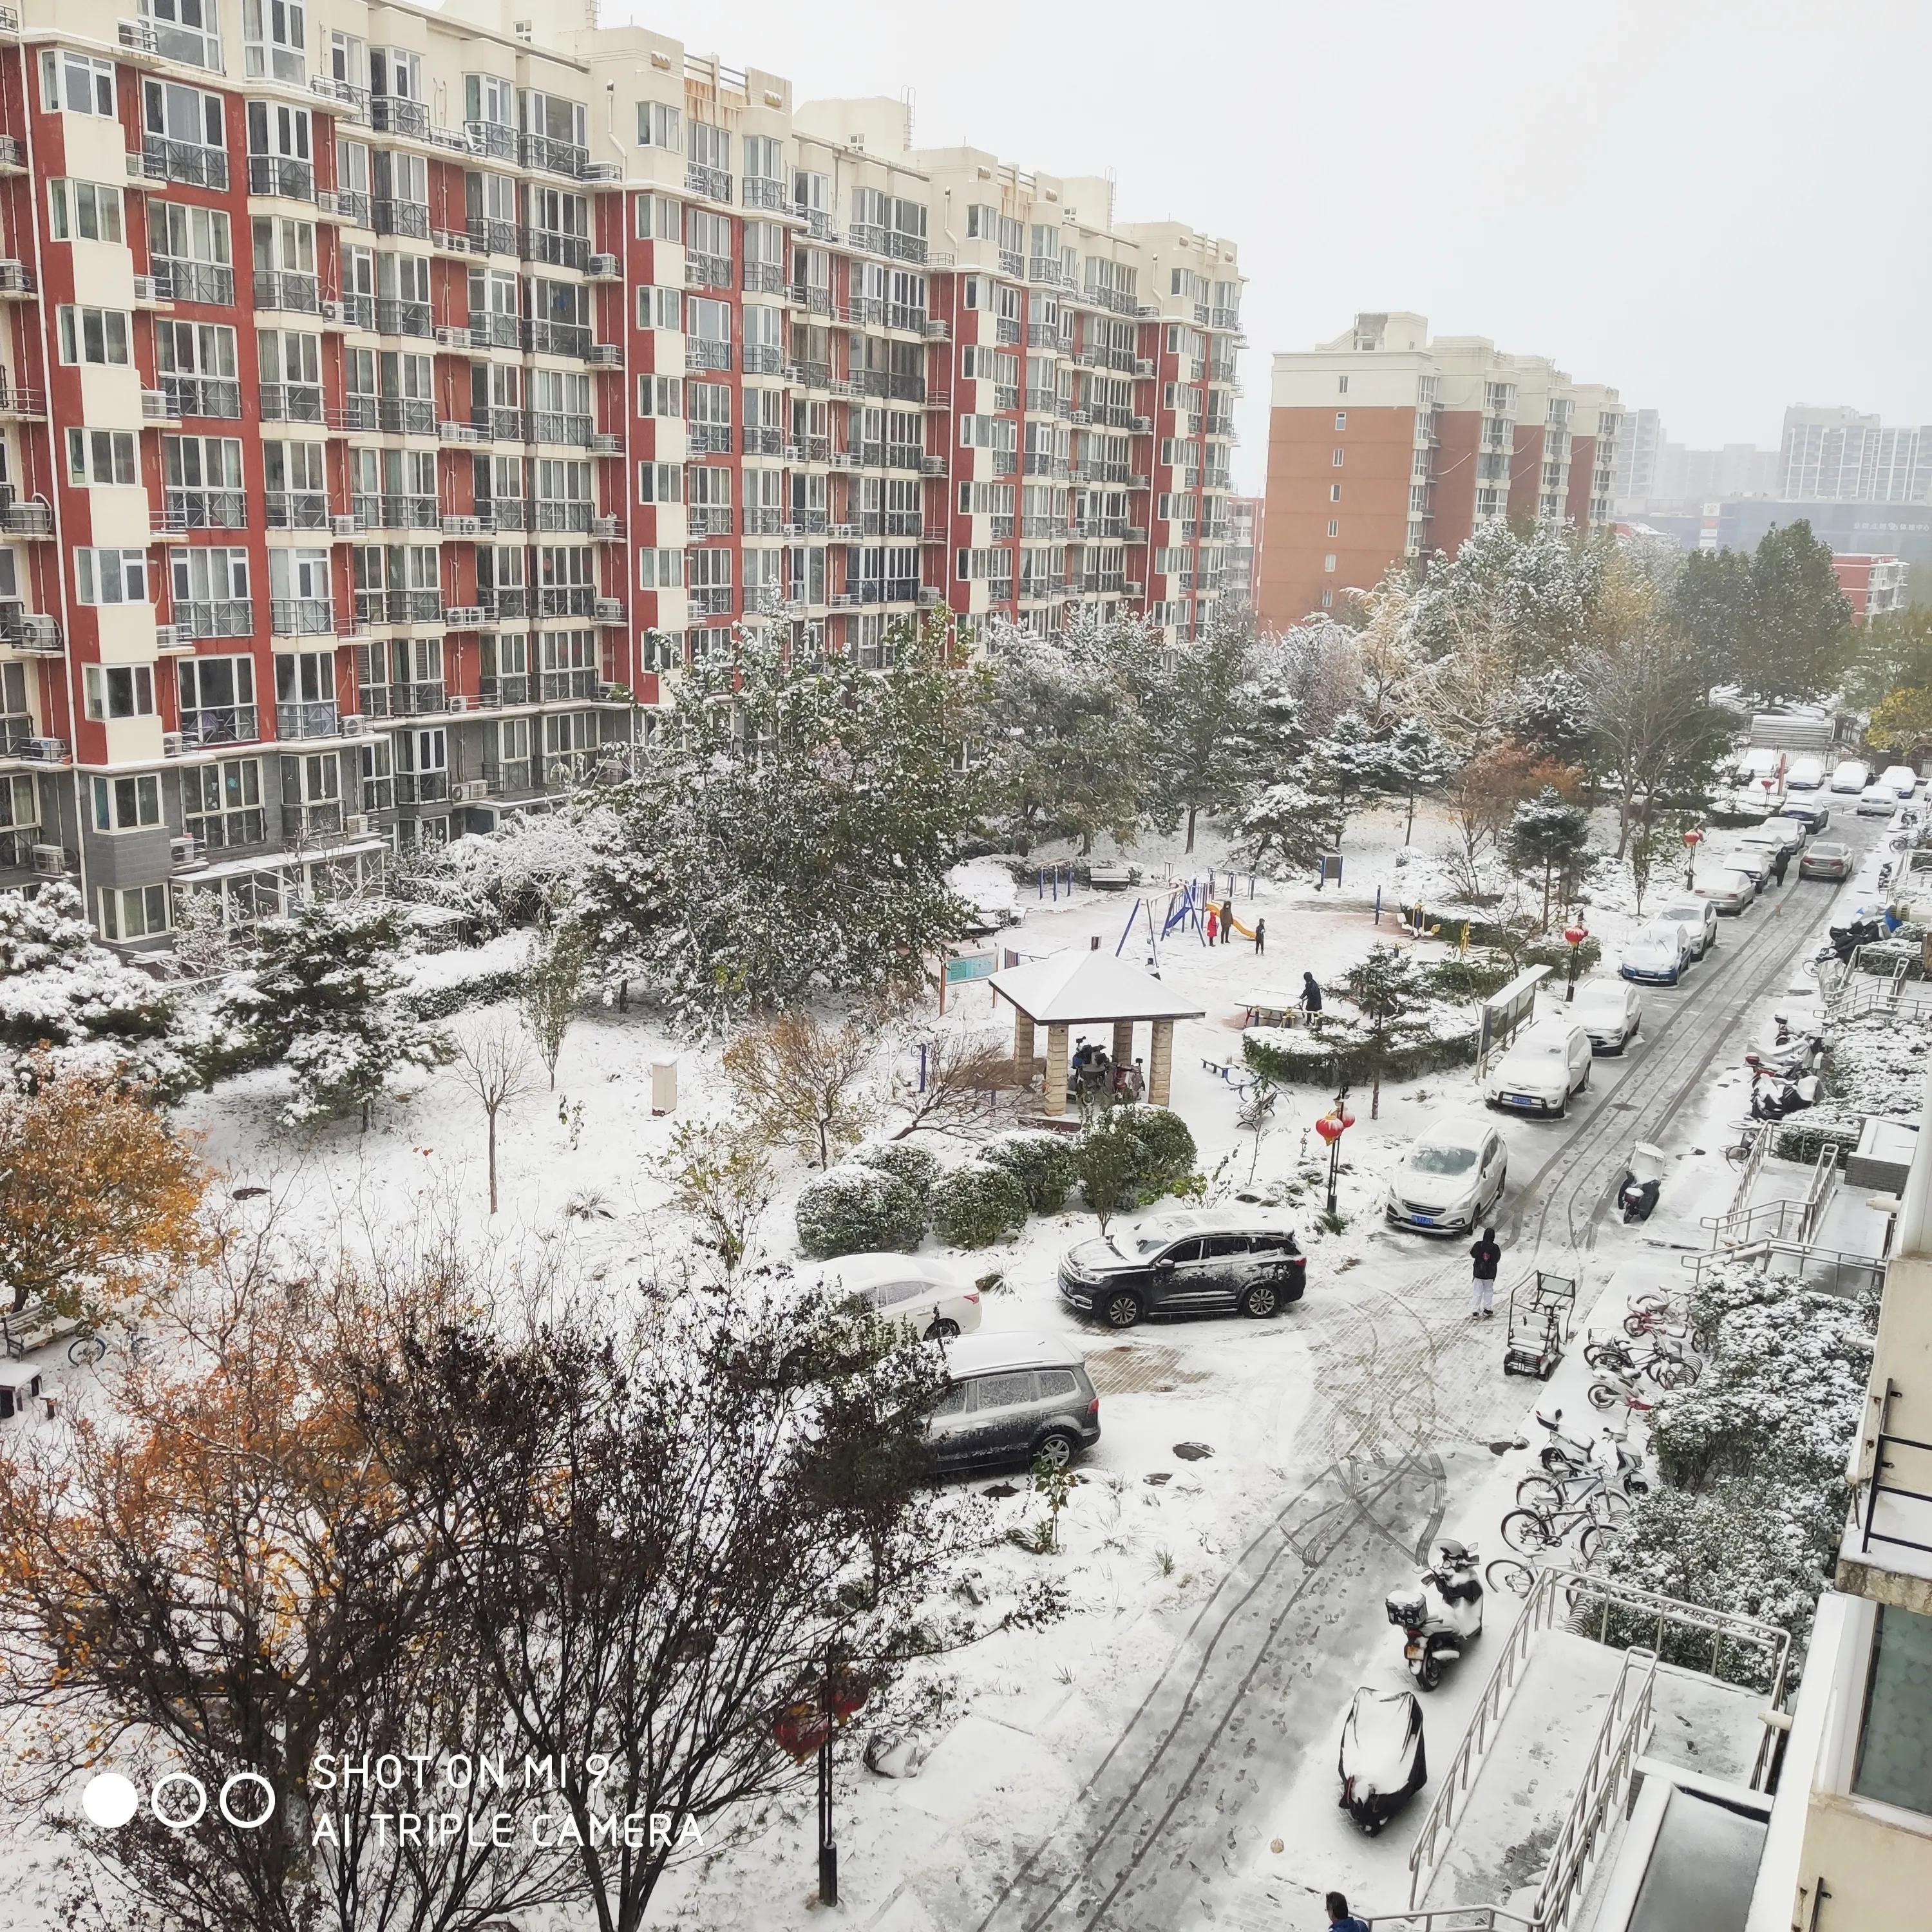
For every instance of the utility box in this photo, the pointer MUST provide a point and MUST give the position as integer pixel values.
(664, 1087)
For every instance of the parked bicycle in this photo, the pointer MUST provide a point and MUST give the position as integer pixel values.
(1530, 1530)
(1612, 1388)
(89, 1347)
(1667, 1363)
(1666, 1325)
(1589, 1489)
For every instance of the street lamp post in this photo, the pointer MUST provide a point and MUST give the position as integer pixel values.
(1574, 935)
(809, 1724)
(1692, 840)
(1331, 1127)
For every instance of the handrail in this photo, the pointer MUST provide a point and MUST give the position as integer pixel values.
(1753, 1165)
(1824, 1175)
(1874, 1489)
(1620, 1739)
(1808, 1254)
(1450, 1919)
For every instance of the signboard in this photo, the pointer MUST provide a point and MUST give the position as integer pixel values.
(1328, 866)
(968, 967)
(1503, 1011)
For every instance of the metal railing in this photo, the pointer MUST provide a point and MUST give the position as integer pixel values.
(177, 280)
(1921, 1518)
(1833, 1271)
(301, 617)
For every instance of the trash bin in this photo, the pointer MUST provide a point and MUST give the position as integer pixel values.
(664, 1087)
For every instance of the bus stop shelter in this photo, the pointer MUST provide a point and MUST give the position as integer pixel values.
(1077, 988)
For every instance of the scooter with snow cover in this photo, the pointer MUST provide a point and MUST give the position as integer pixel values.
(1381, 1761)
(1793, 1096)
(1440, 1614)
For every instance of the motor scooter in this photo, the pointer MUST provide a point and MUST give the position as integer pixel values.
(1793, 1096)
(1381, 1761)
(1564, 1455)
(1441, 1613)
(1643, 1181)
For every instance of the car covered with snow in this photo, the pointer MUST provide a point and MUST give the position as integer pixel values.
(1450, 1176)
(1758, 763)
(1902, 778)
(1805, 774)
(1790, 833)
(1740, 855)
(1012, 1396)
(1698, 917)
(929, 1296)
(1658, 954)
(1728, 889)
(1878, 800)
(989, 888)
(1810, 811)
(1826, 858)
(1208, 1261)
(1850, 776)
(1546, 1063)
(1611, 1012)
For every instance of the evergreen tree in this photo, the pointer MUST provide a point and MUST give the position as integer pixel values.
(321, 996)
(1348, 767)
(1285, 828)
(1549, 834)
(1417, 761)
(1550, 714)
(1800, 621)
(1891, 652)
(1710, 607)
(1389, 994)
(1197, 711)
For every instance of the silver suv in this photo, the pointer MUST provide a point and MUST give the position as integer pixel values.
(1016, 1397)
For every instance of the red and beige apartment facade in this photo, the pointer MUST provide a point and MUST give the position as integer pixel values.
(1386, 444)
(394, 402)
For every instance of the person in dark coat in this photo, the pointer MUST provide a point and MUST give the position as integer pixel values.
(1778, 864)
(1261, 936)
(1227, 920)
(1311, 994)
(1485, 1258)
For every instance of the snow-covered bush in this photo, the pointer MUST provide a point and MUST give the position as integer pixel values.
(859, 1211)
(1040, 1163)
(65, 995)
(1169, 1147)
(904, 1162)
(977, 1204)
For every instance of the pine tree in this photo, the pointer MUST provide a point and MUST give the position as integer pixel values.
(1198, 709)
(1416, 761)
(1547, 833)
(1800, 620)
(321, 996)
(1387, 993)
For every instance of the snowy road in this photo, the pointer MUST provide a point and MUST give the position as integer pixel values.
(1164, 1832)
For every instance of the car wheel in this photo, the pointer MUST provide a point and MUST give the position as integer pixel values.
(1121, 1309)
(1261, 1300)
(1056, 1449)
(942, 1331)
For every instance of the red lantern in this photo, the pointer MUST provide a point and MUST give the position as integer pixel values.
(1693, 839)
(847, 1693)
(1332, 1126)
(1575, 934)
(799, 1728)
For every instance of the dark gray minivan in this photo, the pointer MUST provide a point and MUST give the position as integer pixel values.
(1016, 1397)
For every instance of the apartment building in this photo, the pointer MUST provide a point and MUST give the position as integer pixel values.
(1386, 443)
(393, 403)
(1244, 577)
(1837, 455)
(1872, 585)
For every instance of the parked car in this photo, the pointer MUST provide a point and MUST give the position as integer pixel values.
(1611, 1010)
(1826, 859)
(1757, 763)
(1657, 956)
(1016, 1397)
(1878, 800)
(1902, 778)
(1698, 917)
(1212, 1262)
(1753, 861)
(1805, 774)
(1850, 776)
(1729, 891)
(1789, 832)
(1770, 845)
(927, 1295)
(1809, 810)
(1451, 1175)
(1548, 1062)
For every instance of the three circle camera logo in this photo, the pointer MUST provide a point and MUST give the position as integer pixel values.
(179, 1800)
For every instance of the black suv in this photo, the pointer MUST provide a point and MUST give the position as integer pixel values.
(1210, 1263)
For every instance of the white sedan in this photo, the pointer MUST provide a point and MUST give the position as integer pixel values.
(1658, 954)
(1451, 1176)
(1611, 1011)
(1902, 778)
(928, 1296)
(1878, 800)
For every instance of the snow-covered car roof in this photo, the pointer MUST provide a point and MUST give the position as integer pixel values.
(1461, 1130)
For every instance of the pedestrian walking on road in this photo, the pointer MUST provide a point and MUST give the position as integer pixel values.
(1340, 1918)
(1311, 994)
(1778, 864)
(1261, 936)
(1485, 1258)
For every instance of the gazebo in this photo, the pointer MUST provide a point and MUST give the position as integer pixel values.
(1090, 988)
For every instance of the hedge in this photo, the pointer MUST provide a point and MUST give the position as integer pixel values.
(1311, 1061)
(858, 1210)
(1040, 1163)
(904, 1162)
(977, 1204)
(1169, 1147)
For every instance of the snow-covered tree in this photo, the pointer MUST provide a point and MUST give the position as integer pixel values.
(1548, 834)
(321, 995)
(1390, 996)
(67, 1003)
(1199, 709)
(1416, 761)
(1285, 828)
(530, 871)
(1549, 714)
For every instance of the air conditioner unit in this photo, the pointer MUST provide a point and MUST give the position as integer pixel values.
(452, 338)
(173, 744)
(927, 596)
(332, 311)
(608, 610)
(351, 724)
(50, 861)
(603, 527)
(469, 791)
(356, 825)
(604, 268)
(167, 637)
(46, 751)
(463, 617)
(457, 702)
(485, 819)
(145, 290)
(186, 852)
(342, 526)
(604, 355)
(462, 526)
(1143, 367)
(325, 201)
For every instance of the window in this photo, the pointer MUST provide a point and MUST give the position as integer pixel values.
(710, 147)
(660, 483)
(1894, 1760)
(764, 158)
(659, 126)
(708, 321)
(101, 456)
(1338, 459)
(1334, 492)
(1341, 418)
(93, 335)
(139, 913)
(120, 690)
(123, 805)
(84, 211)
(173, 112)
(660, 569)
(659, 218)
(72, 83)
(1334, 528)
(1343, 389)
(660, 396)
(489, 100)
(222, 803)
(1328, 562)
(274, 40)
(1007, 1391)
(1327, 600)
(111, 577)
(661, 308)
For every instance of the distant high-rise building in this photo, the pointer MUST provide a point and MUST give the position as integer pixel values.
(1837, 455)
(1385, 444)
(1654, 474)
(1638, 444)
(1241, 579)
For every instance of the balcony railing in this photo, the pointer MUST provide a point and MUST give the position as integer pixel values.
(563, 251)
(301, 617)
(402, 318)
(566, 600)
(398, 607)
(554, 685)
(206, 509)
(543, 337)
(400, 217)
(555, 158)
(710, 439)
(281, 289)
(185, 161)
(497, 692)
(810, 295)
(710, 600)
(700, 354)
(490, 235)
(295, 510)
(707, 272)
(556, 426)
(292, 402)
(422, 787)
(508, 778)
(281, 175)
(710, 520)
(208, 282)
(203, 395)
(221, 725)
(568, 515)
(230, 617)
(758, 192)
(714, 183)
(504, 602)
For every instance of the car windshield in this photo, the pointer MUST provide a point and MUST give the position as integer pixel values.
(1665, 936)
(1433, 1157)
(1149, 1240)
(1687, 915)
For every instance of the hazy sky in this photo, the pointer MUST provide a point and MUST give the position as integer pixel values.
(1718, 206)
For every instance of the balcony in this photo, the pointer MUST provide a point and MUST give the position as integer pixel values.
(390, 114)
(504, 513)
(203, 396)
(391, 415)
(555, 426)
(569, 516)
(229, 617)
(554, 157)
(206, 282)
(710, 520)
(281, 289)
(490, 140)
(490, 236)
(707, 272)
(301, 617)
(508, 778)
(422, 787)
(493, 693)
(763, 278)
(566, 600)
(555, 685)
(542, 337)
(292, 402)
(24, 630)
(221, 725)
(184, 161)
(206, 509)
(295, 510)
(710, 439)
(387, 512)
(713, 184)
(771, 194)
(402, 318)
(398, 607)
(492, 330)
(504, 602)
(710, 600)
(811, 297)
(352, 208)
(281, 177)
(410, 218)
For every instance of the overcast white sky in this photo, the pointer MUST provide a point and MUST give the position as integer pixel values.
(1719, 206)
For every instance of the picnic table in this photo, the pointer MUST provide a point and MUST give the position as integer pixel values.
(1272, 1008)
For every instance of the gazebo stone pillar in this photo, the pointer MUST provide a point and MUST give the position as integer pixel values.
(1123, 1043)
(1160, 1064)
(1023, 1043)
(1053, 1100)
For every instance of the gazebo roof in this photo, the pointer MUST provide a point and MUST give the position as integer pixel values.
(1081, 986)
